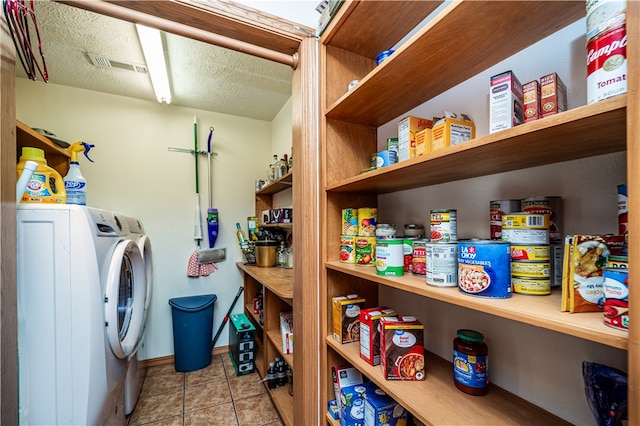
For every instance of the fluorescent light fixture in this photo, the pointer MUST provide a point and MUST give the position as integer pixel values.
(151, 42)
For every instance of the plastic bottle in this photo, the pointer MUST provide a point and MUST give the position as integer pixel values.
(271, 376)
(46, 184)
(75, 184)
(281, 372)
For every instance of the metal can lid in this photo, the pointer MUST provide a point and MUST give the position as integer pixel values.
(470, 335)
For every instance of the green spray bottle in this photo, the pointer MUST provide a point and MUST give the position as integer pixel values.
(74, 183)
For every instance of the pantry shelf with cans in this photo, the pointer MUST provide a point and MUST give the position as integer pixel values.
(530, 298)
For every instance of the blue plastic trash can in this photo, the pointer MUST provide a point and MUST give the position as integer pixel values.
(192, 330)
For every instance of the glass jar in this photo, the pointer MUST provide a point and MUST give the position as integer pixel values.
(414, 230)
(471, 362)
(385, 231)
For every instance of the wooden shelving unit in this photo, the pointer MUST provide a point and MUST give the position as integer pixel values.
(56, 157)
(277, 289)
(418, 71)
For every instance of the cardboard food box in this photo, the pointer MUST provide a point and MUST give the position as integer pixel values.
(451, 130)
(286, 330)
(505, 102)
(345, 318)
(382, 410)
(370, 332)
(352, 401)
(344, 376)
(423, 142)
(402, 348)
(531, 100)
(408, 127)
(553, 95)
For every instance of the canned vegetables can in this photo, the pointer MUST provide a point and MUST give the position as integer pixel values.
(407, 251)
(419, 257)
(443, 226)
(389, 257)
(442, 264)
(497, 209)
(349, 221)
(484, 268)
(365, 251)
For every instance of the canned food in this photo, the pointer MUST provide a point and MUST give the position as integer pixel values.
(557, 259)
(497, 209)
(385, 231)
(407, 249)
(365, 251)
(623, 210)
(367, 220)
(618, 262)
(442, 264)
(616, 298)
(484, 268)
(547, 205)
(389, 257)
(347, 249)
(607, 65)
(604, 15)
(525, 220)
(531, 269)
(526, 236)
(528, 285)
(419, 257)
(530, 253)
(350, 222)
(443, 226)
(414, 230)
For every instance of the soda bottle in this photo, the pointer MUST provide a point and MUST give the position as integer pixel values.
(272, 381)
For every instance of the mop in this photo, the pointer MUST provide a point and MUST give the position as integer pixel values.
(194, 268)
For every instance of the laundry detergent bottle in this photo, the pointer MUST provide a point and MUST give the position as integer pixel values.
(46, 184)
(75, 184)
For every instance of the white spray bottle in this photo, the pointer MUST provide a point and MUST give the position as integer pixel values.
(74, 183)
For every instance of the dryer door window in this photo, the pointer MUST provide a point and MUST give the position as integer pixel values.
(125, 298)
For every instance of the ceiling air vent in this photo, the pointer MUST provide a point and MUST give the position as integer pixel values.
(103, 62)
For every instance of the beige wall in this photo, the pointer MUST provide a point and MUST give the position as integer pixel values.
(134, 173)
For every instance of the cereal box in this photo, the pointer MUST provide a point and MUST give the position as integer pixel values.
(370, 332)
(346, 318)
(505, 102)
(423, 142)
(553, 95)
(408, 127)
(451, 130)
(402, 348)
(382, 410)
(531, 99)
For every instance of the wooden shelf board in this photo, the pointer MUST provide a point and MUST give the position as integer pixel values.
(436, 400)
(283, 403)
(277, 185)
(277, 225)
(275, 337)
(354, 35)
(398, 84)
(330, 420)
(537, 311)
(278, 280)
(585, 131)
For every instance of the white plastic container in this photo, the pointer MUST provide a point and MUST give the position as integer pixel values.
(75, 185)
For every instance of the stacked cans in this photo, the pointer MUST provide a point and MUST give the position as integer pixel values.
(358, 240)
(528, 234)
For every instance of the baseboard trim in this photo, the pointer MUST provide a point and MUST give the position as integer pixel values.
(170, 359)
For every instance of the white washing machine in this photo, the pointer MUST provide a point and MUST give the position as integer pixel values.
(135, 371)
(81, 291)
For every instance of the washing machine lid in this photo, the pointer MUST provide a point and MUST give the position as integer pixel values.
(125, 294)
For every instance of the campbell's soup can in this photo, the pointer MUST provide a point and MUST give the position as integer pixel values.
(442, 264)
(607, 65)
(419, 257)
(604, 16)
(623, 210)
(484, 268)
(444, 226)
(616, 298)
(547, 205)
(348, 249)
(497, 208)
(365, 251)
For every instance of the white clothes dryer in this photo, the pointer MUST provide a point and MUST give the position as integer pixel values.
(80, 310)
(135, 371)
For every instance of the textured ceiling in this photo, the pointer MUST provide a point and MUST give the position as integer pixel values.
(202, 76)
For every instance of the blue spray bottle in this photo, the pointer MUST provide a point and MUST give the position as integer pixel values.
(74, 183)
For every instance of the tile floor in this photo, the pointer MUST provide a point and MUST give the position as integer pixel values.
(211, 396)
